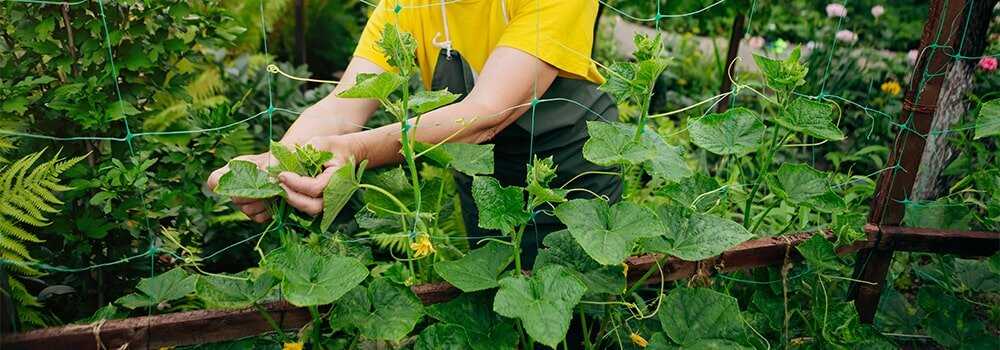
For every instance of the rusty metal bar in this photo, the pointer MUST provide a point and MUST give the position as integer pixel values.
(894, 187)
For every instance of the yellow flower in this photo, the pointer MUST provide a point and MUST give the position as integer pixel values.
(891, 87)
(423, 247)
(292, 346)
(638, 340)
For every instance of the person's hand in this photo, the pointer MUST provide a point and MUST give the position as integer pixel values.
(306, 193)
(255, 209)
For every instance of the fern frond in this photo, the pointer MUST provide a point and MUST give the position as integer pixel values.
(8, 228)
(19, 293)
(394, 241)
(207, 85)
(8, 210)
(15, 247)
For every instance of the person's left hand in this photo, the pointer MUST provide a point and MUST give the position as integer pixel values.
(306, 193)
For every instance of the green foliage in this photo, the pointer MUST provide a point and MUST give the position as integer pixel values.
(467, 158)
(238, 291)
(500, 208)
(988, 120)
(613, 144)
(246, 180)
(383, 311)
(562, 249)
(703, 319)
(309, 278)
(473, 314)
(797, 183)
(479, 269)
(810, 117)
(607, 232)
(160, 289)
(783, 75)
(738, 131)
(543, 302)
(695, 236)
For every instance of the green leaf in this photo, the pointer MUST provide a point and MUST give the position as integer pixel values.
(399, 48)
(647, 48)
(474, 313)
(783, 75)
(544, 302)
(245, 180)
(442, 336)
(696, 318)
(16, 104)
(810, 117)
(309, 278)
(797, 183)
(613, 144)
(338, 191)
(167, 286)
(629, 81)
(699, 192)
(119, 110)
(395, 181)
(426, 101)
(500, 208)
(819, 254)
(695, 236)
(467, 158)
(238, 291)
(540, 172)
(988, 121)
(939, 214)
(383, 311)
(562, 249)
(477, 270)
(374, 86)
(287, 161)
(607, 233)
(737, 131)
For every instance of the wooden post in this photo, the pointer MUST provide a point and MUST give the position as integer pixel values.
(895, 187)
(733, 51)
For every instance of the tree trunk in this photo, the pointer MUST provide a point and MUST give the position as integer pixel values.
(952, 104)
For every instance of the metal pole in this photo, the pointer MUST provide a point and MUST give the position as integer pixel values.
(735, 36)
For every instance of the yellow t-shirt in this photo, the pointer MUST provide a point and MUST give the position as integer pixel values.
(559, 32)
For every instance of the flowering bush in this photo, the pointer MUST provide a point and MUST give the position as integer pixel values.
(836, 10)
(988, 63)
(847, 36)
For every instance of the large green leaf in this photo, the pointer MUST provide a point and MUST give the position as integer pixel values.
(399, 48)
(383, 311)
(167, 286)
(784, 75)
(441, 336)
(988, 121)
(477, 270)
(245, 180)
(500, 208)
(426, 101)
(949, 322)
(607, 233)
(309, 278)
(612, 144)
(374, 86)
(819, 254)
(562, 249)
(697, 318)
(238, 291)
(695, 236)
(467, 158)
(544, 302)
(395, 181)
(810, 117)
(939, 214)
(699, 192)
(338, 191)
(634, 80)
(737, 131)
(287, 161)
(797, 183)
(473, 312)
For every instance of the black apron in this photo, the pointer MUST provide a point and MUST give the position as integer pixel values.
(559, 129)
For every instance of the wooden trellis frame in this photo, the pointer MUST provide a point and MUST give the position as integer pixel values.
(885, 235)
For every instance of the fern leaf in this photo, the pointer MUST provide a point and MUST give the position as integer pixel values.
(7, 228)
(15, 247)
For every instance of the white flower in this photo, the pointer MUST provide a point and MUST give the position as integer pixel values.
(912, 56)
(836, 10)
(756, 42)
(878, 11)
(847, 36)
(808, 49)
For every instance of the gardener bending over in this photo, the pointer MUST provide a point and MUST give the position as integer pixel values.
(498, 54)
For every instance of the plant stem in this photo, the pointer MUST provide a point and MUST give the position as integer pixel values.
(586, 331)
(518, 271)
(642, 280)
(756, 225)
(763, 168)
(317, 322)
(270, 321)
(643, 115)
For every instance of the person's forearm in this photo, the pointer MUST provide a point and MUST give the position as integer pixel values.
(464, 122)
(331, 116)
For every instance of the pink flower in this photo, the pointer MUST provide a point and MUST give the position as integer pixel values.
(912, 56)
(836, 10)
(847, 36)
(878, 11)
(756, 42)
(988, 63)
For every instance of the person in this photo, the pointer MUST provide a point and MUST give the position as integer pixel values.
(499, 55)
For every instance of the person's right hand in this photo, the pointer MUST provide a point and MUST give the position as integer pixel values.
(255, 209)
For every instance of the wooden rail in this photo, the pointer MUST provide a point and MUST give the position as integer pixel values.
(199, 327)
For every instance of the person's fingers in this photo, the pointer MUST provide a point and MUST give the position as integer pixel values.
(254, 208)
(244, 201)
(309, 186)
(262, 217)
(306, 204)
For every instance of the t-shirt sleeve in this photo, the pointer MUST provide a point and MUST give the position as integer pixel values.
(368, 42)
(559, 32)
